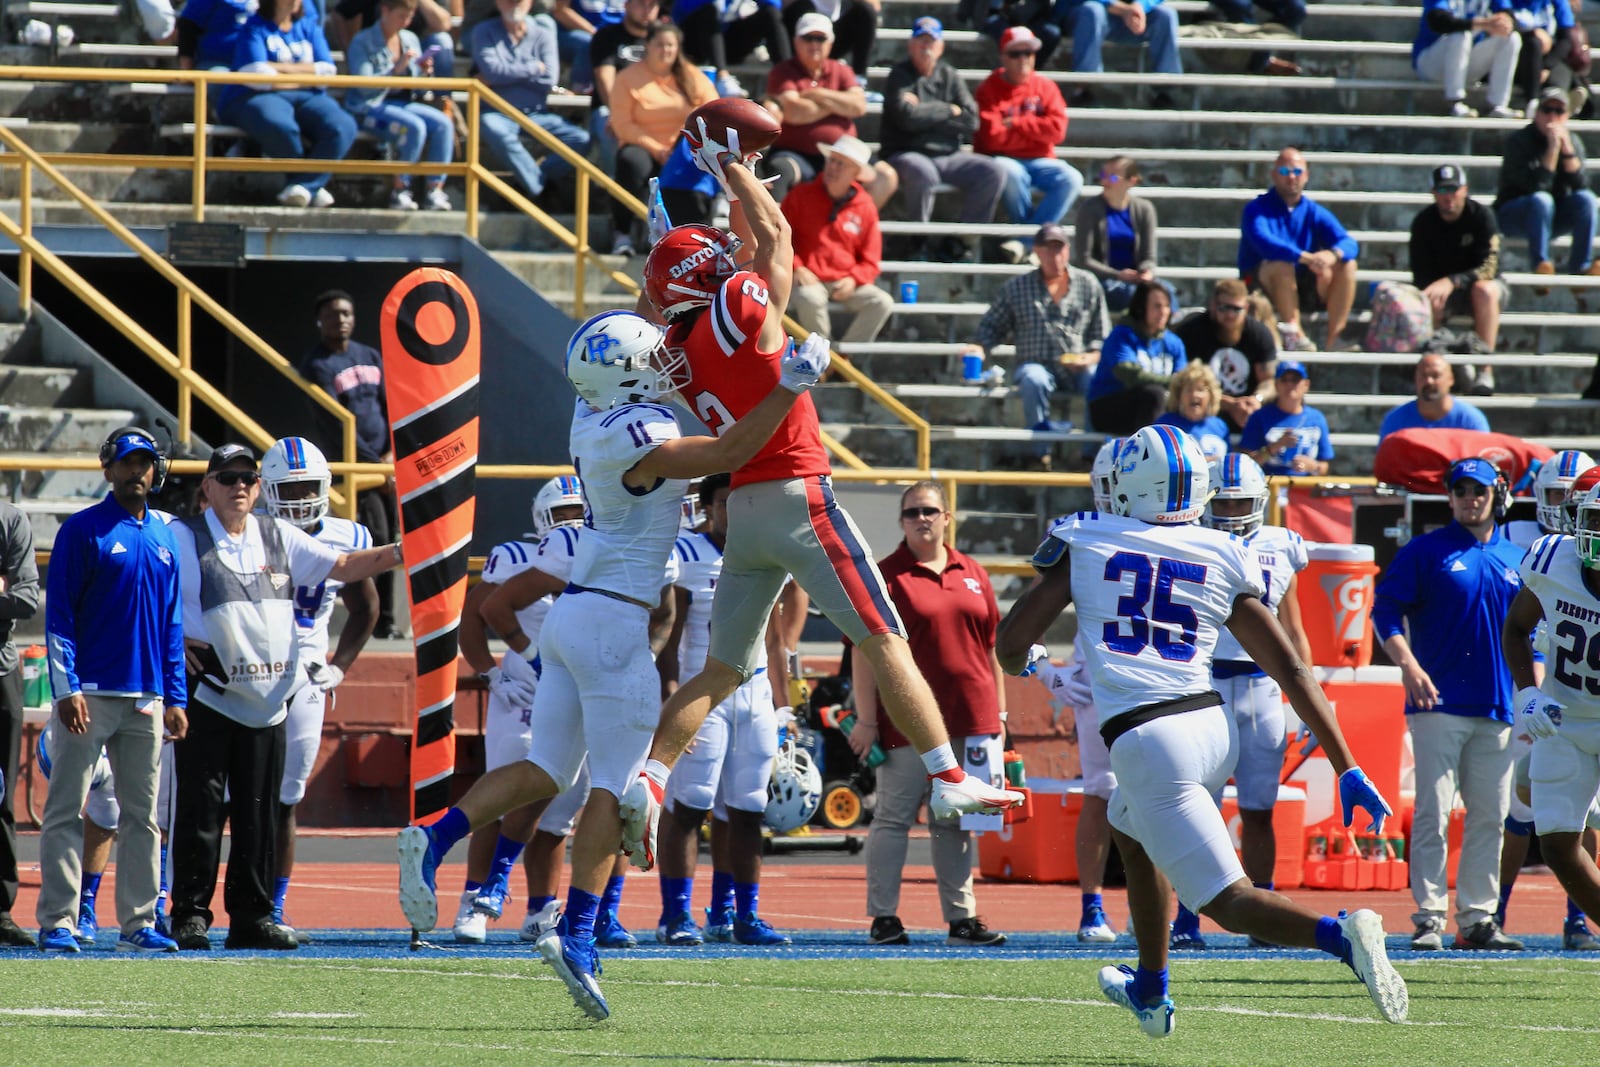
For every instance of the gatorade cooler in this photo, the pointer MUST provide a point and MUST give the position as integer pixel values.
(1336, 604)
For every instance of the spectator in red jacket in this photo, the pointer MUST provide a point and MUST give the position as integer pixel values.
(837, 245)
(1021, 119)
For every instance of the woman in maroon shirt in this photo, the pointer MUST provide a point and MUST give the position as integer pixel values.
(948, 607)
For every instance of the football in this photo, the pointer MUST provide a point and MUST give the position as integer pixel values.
(756, 125)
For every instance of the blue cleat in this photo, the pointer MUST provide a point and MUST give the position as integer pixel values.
(610, 933)
(1186, 936)
(88, 924)
(491, 899)
(146, 939)
(418, 863)
(679, 931)
(576, 963)
(1094, 929)
(1156, 1019)
(61, 939)
(719, 925)
(754, 930)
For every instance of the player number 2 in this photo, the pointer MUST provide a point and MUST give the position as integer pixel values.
(1150, 601)
(1576, 648)
(713, 412)
(755, 291)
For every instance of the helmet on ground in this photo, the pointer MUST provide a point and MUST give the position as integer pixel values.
(561, 492)
(687, 266)
(1587, 529)
(1100, 473)
(294, 461)
(794, 791)
(1160, 476)
(1550, 486)
(1238, 477)
(617, 358)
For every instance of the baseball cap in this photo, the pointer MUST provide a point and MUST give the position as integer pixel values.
(1291, 366)
(1050, 233)
(852, 148)
(1020, 37)
(129, 443)
(1448, 178)
(1475, 469)
(814, 22)
(1550, 92)
(928, 26)
(226, 454)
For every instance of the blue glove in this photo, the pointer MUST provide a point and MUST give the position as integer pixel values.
(1357, 791)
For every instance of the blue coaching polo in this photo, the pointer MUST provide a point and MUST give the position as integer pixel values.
(1455, 591)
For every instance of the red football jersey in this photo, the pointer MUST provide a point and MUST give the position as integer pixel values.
(730, 376)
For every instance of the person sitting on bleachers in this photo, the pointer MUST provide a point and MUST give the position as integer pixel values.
(1288, 436)
(282, 39)
(1296, 250)
(577, 21)
(1238, 347)
(515, 55)
(430, 22)
(855, 28)
(407, 125)
(1148, 22)
(1056, 316)
(650, 102)
(1194, 397)
(716, 34)
(928, 116)
(1546, 58)
(818, 100)
(1460, 42)
(1435, 408)
(1138, 360)
(993, 18)
(838, 246)
(208, 31)
(1116, 237)
(1455, 261)
(1021, 119)
(1290, 14)
(1543, 189)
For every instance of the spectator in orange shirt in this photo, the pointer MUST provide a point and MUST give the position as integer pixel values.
(837, 245)
(1021, 119)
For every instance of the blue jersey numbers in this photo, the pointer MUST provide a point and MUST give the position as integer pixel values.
(1146, 614)
(307, 600)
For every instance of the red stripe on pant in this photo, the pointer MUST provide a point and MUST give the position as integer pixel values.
(847, 558)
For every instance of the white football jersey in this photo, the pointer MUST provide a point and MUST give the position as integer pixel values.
(553, 556)
(699, 564)
(1552, 572)
(1150, 601)
(313, 605)
(1282, 555)
(629, 532)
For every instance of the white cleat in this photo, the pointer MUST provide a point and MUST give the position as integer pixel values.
(471, 925)
(577, 966)
(970, 796)
(1363, 930)
(1156, 1020)
(418, 899)
(640, 809)
(540, 922)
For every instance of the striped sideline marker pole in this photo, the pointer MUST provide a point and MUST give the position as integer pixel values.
(431, 358)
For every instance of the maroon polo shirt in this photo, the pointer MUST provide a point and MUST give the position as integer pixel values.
(950, 620)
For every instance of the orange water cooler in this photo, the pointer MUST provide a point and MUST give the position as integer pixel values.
(1335, 594)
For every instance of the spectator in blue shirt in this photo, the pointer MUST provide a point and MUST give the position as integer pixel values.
(1452, 589)
(1435, 408)
(1194, 398)
(1299, 254)
(283, 39)
(1148, 22)
(577, 21)
(516, 57)
(1545, 59)
(720, 33)
(209, 31)
(1129, 387)
(1287, 436)
(1460, 42)
(114, 628)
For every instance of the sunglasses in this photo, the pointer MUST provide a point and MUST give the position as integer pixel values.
(1469, 489)
(233, 478)
(1231, 309)
(815, 38)
(1552, 109)
(912, 514)
(1025, 53)
(1291, 172)
(1110, 179)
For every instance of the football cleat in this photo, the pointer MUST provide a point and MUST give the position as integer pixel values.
(610, 933)
(719, 925)
(59, 939)
(640, 808)
(146, 939)
(680, 931)
(491, 899)
(1577, 937)
(418, 898)
(1156, 1019)
(576, 963)
(1094, 928)
(537, 923)
(970, 796)
(1363, 932)
(88, 924)
(754, 930)
(471, 925)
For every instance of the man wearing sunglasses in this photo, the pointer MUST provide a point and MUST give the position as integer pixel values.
(1237, 347)
(1438, 610)
(1544, 191)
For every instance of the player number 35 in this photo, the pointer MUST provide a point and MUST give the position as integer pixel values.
(1150, 601)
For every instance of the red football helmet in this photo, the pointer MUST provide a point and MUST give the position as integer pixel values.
(687, 266)
(1575, 493)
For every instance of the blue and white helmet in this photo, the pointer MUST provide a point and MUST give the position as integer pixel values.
(289, 461)
(561, 492)
(617, 358)
(1160, 476)
(1238, 477)
(1551, 484)
(1100, 473)
(793, 791)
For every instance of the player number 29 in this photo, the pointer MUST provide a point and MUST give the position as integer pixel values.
(1576, 649)
(1150, 601)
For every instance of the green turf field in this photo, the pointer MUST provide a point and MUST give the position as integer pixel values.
(118, 1013)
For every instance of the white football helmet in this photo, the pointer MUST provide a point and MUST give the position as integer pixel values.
(794, 791)
(693, 517)
(1238, 477)
(1550, 486)
(1160, 476)
(1586, 530)
(292, 460)
(1100, 473)
(561, 492)
(617, 358)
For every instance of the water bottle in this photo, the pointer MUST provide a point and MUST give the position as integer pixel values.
(876, 755)
(1016, 777)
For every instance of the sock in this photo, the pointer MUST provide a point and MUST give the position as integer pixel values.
(721, 892)
(471, 886)
(613, 894)
(1574, 913)
(582, 907)
(1187, 921)
(90, 889)
(162, 893)
(506, 853)
(1267, 885)
(942, 759)
(1330, 938)
(538, 904)
(1505, 898)
(747, 898)
(452, 827)
(1091, 904)
(1149, 986)
(675, 896)
(280, 890)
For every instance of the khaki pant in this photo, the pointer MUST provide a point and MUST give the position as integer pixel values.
(1470, 755)
(870, 305)
(132, 740)
(902, 787)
